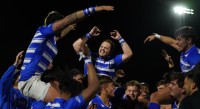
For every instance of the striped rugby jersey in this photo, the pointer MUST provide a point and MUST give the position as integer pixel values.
(105, 66)
(40, 53)
(189, 59)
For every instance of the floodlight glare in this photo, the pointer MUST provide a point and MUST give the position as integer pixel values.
(183, 10)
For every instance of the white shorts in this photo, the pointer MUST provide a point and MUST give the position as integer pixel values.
(34, 88)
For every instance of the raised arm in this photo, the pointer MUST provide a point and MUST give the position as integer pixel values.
(119, 74)
(165, 39)
(79, 43)
(78, 16)
(127, 52)
(8, 76)
(66, 31)
(168, 59)
(93, 82)
(18, 59)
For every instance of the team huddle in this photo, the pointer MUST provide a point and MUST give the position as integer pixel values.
(40, 85)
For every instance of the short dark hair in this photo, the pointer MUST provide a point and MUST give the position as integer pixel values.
(66, 83)
(104, 80)
(74, 72)
(179, 77)
(161, 82)
(52, 17)
(166, 77)
(133, 83)
(187, 32)
(50, 75)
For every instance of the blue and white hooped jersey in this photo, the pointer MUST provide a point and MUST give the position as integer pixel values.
(56, 104)
(40, 53)
(105, 66)
(189, 59)
(76, 102)
(100, 105)
(38, 104)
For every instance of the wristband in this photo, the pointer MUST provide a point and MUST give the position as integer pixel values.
(88, 60)
(121, 40)
(88, 35)
(157, 35)
(89, 11)
(81, 56)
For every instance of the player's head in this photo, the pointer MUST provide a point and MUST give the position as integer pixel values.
(133, 89)
(106, 48)
(76, 74)
(52, 17)
(69, 85)
(107, 86)
(187, 32)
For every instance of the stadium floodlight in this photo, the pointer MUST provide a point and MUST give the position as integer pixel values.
(182, 10)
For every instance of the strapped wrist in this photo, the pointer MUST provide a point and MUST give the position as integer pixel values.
(88, 35)
(89, 11)
(157, 35)
(87, 60)
(81, 56)
(121, 40)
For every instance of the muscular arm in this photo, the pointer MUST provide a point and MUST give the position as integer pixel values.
(66, 31)
(168, 40)
(79, 43)
(127, 52)
(93, 84)
(165, 39)
(72, 18)
(168, 59)
(162, 96)
(76, 17)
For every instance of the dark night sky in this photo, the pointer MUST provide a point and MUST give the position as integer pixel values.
(135, 20)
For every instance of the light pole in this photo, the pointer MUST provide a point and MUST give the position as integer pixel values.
(181, 12)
